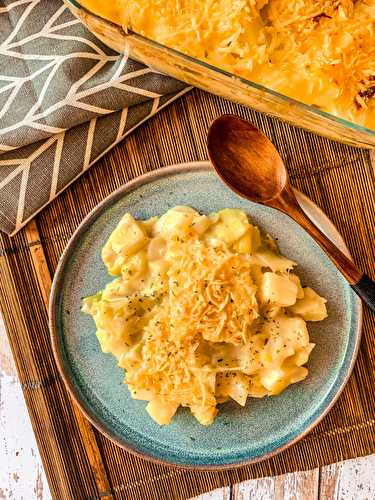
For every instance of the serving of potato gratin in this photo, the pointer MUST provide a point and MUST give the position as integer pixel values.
(203, 309)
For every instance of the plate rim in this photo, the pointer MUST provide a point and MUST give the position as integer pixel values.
(128, 187)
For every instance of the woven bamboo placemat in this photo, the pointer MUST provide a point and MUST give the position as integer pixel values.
(80, 463)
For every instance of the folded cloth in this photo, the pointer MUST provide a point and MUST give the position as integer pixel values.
(65, 100)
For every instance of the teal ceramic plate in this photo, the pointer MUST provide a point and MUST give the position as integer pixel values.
(238, 435)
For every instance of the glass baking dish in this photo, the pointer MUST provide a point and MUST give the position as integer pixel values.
(222, 83)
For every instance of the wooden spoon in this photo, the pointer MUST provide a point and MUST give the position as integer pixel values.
(250, 165)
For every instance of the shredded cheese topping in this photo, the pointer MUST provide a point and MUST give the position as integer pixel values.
(203, 309)
(321, 52)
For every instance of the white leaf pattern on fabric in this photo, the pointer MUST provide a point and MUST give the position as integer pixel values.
(59, 86)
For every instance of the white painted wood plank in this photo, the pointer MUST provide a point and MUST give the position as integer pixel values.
(349, 480)
(255, 489)
(219, 494)
(21, 472)
(295, 486)
(298, 486)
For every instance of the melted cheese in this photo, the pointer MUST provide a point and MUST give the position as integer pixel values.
(321, 52)
(111, 10)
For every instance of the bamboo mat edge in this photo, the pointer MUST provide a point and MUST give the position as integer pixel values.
(45, 282)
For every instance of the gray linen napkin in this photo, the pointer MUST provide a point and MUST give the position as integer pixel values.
(65, 99)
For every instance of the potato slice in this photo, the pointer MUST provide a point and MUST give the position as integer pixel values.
(177, 220)
(249, 242)
(231, 226)
(297, 281)
(312, 307)
(161, 411)
(127, 239)
(277, 289)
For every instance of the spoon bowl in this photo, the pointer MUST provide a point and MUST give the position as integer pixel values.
(250, 165)
(256, 172)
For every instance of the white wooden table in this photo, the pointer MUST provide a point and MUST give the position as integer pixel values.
(22, 476)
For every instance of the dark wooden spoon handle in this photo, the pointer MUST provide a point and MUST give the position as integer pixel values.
(361, 284)
(365, 288)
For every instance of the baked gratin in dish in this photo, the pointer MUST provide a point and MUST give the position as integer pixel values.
(319, 52)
